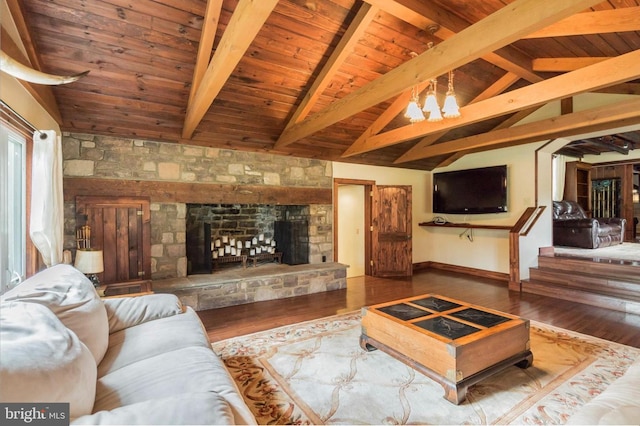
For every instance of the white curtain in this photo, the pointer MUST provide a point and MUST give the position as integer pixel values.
(46, 227)
(559, 171)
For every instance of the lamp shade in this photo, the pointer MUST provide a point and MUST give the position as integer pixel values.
(89, 261)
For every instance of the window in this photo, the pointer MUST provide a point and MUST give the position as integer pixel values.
(13, 208)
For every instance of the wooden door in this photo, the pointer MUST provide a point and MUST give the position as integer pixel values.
(392, 245)
(120, 227)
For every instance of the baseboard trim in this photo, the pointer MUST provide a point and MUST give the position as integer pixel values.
(461, 269)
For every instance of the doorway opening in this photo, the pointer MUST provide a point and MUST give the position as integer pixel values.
(352, 225)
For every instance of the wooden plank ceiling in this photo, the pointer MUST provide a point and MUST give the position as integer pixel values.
(331, 79)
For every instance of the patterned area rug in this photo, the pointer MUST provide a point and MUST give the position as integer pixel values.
(316, 373)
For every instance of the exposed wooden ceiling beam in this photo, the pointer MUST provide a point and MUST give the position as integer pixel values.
(633, 138)
(595, 119)
(205, 47)
(495, 31)
(609, 146)
(499, 86)
(612, 71)
(18, 16)
(564, 64)
(426, 15)
(247, 19)
(515, 118)
(600, 22)
(354, 33)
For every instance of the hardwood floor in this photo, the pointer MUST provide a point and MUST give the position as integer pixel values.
(611, 325)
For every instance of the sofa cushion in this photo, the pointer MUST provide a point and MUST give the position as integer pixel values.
(618, 404)
(42, 360)
(124, 312)
(170, 374)
(204, 408)
(73, 299)
(152, 338)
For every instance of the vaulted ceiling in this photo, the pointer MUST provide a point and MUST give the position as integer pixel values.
(331, 79)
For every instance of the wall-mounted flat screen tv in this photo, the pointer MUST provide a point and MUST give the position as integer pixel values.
(473, 191)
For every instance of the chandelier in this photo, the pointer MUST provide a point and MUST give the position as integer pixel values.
(450, 108)
(431, 107)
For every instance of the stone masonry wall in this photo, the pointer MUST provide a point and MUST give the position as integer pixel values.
(94, 156)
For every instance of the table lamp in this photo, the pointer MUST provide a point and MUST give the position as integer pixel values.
(90, 263)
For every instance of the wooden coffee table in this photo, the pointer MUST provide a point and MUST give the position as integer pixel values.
(455, 343)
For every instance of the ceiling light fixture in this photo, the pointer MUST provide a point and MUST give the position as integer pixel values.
(450, 108)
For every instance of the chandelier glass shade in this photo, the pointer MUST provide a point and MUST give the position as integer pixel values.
(414, 113)
(450, 108)
(431, 102)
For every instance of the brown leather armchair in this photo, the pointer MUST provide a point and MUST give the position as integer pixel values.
(572, 227)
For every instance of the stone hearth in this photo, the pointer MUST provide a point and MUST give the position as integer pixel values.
(254, 284)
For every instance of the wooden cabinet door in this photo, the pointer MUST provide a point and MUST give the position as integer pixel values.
(392, 245)
(120, 227)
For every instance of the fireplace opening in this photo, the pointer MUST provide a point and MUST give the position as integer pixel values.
(221, 234)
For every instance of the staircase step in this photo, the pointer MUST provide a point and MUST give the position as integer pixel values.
(618, 303)
(612, 284)
(625, 270)
(605, 284)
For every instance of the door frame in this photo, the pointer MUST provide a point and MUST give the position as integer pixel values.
(368, 210)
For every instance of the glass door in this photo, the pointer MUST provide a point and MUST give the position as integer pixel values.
(13, 208)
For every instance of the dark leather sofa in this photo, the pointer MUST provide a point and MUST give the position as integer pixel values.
(572, 227)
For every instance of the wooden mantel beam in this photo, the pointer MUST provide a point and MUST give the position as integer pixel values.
(495, 31)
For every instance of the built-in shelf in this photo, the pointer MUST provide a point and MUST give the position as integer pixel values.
(464, 225)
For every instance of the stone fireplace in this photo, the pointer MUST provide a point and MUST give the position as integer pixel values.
(176, 177)
(240, 194)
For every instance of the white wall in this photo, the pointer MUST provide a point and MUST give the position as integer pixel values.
(489, 249)
(351, 228)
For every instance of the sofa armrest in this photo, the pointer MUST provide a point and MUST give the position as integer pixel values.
(125, 312)
(613, 221)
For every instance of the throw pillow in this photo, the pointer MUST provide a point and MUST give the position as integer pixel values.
(42, 360)
(125, 312)
(70, 295)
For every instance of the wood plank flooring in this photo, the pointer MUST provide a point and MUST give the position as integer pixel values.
(362, 291)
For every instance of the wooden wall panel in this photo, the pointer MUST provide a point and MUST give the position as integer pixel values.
(121, 228)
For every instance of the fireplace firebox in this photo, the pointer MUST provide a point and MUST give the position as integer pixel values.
(226, 230)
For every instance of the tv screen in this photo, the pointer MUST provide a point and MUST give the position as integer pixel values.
(472, 191)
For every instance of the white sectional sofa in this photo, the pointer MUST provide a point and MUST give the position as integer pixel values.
(132, 360)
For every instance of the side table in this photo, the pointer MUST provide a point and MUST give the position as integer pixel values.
(125, 289)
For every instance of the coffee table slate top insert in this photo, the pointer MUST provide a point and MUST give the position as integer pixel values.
(452, 342)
